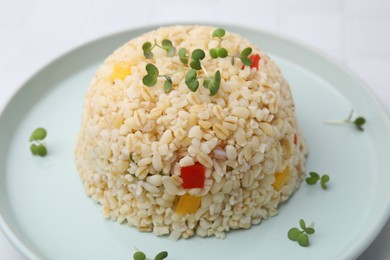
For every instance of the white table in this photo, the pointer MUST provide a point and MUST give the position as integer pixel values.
(354, 32)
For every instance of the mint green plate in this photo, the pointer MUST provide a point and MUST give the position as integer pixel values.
(45, 213)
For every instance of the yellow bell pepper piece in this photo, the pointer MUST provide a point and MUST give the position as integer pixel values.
(281, 178)
(120, 71)
(188, 204)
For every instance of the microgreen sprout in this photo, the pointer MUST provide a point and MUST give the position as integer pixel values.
(167, 84)
(315, 177)
(358, 122)
(166, 45)
(196, 56)
(213, 83)
(191, 80)
(301, 236)
(218, 51)
(147, 48)
(36, 145)
(244, 56)
(138, 255)
(150, 79)
(183, 56)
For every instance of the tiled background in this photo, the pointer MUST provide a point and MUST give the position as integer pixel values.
(354, 32)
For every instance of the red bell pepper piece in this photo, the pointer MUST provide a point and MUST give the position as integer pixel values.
(255, 58)
(193, 176)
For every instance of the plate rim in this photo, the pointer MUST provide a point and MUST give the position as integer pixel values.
(354, 250)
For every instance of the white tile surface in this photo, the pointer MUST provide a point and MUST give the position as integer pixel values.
(355, 32)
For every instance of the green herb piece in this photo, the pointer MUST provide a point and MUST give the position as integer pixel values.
(213, 83)
(301, 236)
(162, 255)
(147, 48)
(244, 56)
(191, 81)
(151, 77)
(315, 177)
(183, 56)
(167, 84)
(219, 33)
(358, 122)
(38, 134)
(139, 256)
(167, 45)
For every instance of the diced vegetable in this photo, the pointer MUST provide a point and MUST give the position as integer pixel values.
(193, 176)
(121, 70)
(255, 58)
(281, 178)
(188, 204)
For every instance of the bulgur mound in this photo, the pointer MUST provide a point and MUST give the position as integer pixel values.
(134, 139)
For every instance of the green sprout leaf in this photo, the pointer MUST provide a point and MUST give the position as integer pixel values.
(324, 180)
(214, 53)
(310, 230)
(167, 45)
(314, 177)
(39, 150)
(191, 81)
(303, 240)
(293, 234)
(218, 52)
(150, 79)
(244, 56)
(167, 84)
(302, 224)
(183, 56)
(139, 256)
(151, 69)
(38, 134)
(147, 49)
(198, 54)
(246, 52)
(195, 64)
(162, 255)
(214, 83)
(219, 33)
(222, 52)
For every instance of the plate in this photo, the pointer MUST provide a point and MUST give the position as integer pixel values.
(46, 214)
